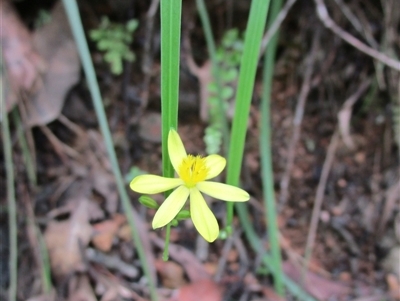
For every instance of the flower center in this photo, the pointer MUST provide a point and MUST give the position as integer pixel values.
(193, 170)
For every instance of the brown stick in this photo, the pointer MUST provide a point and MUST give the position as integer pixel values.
(323, 15)
(305, 89)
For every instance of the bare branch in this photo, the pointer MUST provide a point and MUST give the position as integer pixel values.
(323, 15)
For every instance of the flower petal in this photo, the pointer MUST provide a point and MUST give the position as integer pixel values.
(176, 150)
(223, 191)
(215, 165)
(151, 184)
(203, 218)
(171, 206)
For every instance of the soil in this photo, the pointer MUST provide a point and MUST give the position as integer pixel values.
(344, 171)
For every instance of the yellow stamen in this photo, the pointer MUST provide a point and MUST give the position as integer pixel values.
(193, 170)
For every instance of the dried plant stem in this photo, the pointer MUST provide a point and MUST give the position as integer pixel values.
(275, 25)
(298, 118)
(319, 196)
(323, 15)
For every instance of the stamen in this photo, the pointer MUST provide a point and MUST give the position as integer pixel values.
(193, 170)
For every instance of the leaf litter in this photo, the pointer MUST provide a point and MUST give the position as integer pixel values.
(89, 241)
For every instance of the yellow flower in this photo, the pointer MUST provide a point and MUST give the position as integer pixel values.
(193, 173)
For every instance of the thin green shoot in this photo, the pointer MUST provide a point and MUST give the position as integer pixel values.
(266, 156)
(75, 21)
(248, 67)
(267, 259)
(44, 263)
(170, 12)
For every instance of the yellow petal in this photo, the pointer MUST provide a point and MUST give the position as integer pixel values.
(176, 150)
(171, 206)
(151, 184)
(215, 165)
(223, 191)
(203, 218)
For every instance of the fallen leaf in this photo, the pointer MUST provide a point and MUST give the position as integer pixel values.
(64, 241)
(172, 274)
(202, 290)
(104, 232)
(22, 62)
(82, 290)
(55, 44)
(316, 285)
(193, 267)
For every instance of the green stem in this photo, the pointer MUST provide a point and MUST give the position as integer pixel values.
(27, 156)
(166, 245)
(79, 35)
(170, 11)
(257, 247)
(248, 66)
(266, 156)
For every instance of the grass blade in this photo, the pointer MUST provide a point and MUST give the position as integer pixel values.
(170, 11)
(248, 66)
(83, 49)
(266, 156)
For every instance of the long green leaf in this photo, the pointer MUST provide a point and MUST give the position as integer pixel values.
(248, 67)
(266, 156)
(170, 54)
(75, 21)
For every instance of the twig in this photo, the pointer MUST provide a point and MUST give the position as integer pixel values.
(298, 117)
(228, 245)
(323, 15)
(319, 196)
(275, 26)
(391, 196)
(59, 146)
(344, 114)
(356, 23)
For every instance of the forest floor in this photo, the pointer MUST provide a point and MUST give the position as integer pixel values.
(335, 160)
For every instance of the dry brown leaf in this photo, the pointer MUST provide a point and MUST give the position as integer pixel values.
(318, 286)
(194, 269)
(65, 239)
(106, 231)
(22, 62)
(82, 290)
(202, 290)
(55, 44)
(172, 274)
(271, 295)
(104, 184)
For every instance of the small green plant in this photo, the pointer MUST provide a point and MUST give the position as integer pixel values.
(228, 58)
(113, 39)
(43, 17)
